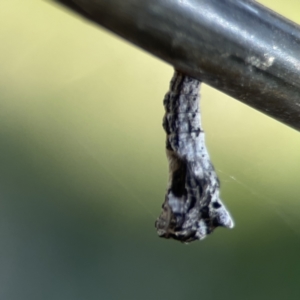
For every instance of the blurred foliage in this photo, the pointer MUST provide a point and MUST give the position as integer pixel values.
(83, 173)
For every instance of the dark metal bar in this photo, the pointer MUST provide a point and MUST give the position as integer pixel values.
(237, 46)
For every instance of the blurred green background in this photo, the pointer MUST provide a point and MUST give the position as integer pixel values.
(83, 173)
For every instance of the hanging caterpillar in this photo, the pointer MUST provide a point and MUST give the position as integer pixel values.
(192, 208)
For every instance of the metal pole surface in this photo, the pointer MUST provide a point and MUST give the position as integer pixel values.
(236, 46)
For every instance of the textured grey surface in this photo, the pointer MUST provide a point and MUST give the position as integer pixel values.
(192, 207)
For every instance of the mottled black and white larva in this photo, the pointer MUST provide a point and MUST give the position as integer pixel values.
(192, 207)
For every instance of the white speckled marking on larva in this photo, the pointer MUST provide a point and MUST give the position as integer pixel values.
(192, 207)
